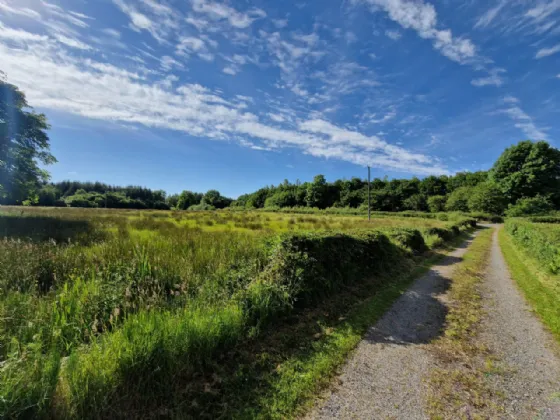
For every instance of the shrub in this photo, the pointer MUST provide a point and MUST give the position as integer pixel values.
(458, 200)
(201, 207)
(436, 203)
(530, 206)
(410, 239)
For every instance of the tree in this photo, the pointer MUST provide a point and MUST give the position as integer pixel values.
(172, 200)
(316, 192)
(466, 179)
(433, 185)
(458, 200)
(187, 199)
(416, 202)
(215, 199)
(281, 199)
(49, 195)
(436, 203)
(487, 197)
(23, 144)
(528, 169)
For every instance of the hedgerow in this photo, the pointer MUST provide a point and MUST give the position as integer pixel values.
(540, 240)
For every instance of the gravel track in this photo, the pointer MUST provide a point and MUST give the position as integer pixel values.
(530, 378)
(384, 377)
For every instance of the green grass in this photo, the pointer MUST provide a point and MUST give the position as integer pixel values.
(540, 287)
(119, 311)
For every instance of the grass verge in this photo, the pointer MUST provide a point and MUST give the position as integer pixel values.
(457, 387)
(540, 287)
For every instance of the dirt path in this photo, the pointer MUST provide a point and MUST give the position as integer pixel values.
(383, 378)
(530, 378)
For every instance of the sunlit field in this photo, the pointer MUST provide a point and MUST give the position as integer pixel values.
(101, 304)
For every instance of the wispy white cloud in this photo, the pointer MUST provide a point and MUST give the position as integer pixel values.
(280, 23)
(19, 36)
(112, 32)
(74, 43)
(76, 19)
(488, 17)
(23, 11)
(151, 16)
(522, 120)
(393, 34)
(493, 79)
(422, 18)
(220, 11)
(545, 52)
(52, 78)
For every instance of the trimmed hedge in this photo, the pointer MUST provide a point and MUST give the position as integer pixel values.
(544, 219)
(409, 239)
(306, 267)
(539, 240)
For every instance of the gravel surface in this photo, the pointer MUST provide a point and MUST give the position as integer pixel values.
(384, 377)
(531, 378)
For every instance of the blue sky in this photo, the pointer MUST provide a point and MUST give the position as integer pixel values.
(234, 95)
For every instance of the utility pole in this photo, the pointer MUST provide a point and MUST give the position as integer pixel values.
(368, 193)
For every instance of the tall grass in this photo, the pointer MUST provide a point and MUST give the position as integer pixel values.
(107, 311)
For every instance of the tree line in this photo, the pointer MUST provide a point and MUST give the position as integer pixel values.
(524, 180)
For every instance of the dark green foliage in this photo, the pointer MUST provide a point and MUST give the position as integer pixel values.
(528, 169)
(187, 199)
(23, 145)
(530, 206)
(305, 267)
(215, 199)
(416, 202)
(201, 207)
(544, 219)
(99, 195)
(281, 199)
(410, 239)
(486, 197)
(437, 203)
(316, 195)
(458, 200)
(539, 240)
(466, 179)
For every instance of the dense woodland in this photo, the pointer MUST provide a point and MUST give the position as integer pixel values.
(524, 180)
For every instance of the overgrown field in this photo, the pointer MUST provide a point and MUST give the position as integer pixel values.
(114, 313)
(532, 250)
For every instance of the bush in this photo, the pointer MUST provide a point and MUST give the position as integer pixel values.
(458, 200)
(410, 239)
(201, 207)
(436, 203)
(530, 206)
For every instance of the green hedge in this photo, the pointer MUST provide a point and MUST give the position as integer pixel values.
(540, 240)
(544, 219)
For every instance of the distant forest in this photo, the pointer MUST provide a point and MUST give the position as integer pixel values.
(526, 179)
